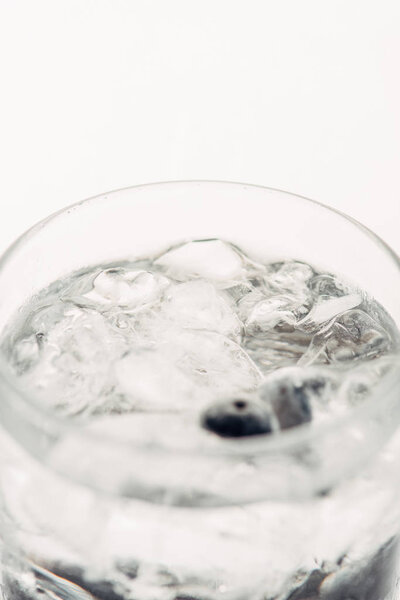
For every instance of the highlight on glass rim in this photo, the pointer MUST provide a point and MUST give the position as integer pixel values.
(199, 408)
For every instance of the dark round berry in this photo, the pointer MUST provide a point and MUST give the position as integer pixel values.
(237, 418)
(291, 405)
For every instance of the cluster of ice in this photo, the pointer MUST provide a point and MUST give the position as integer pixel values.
(199, 324)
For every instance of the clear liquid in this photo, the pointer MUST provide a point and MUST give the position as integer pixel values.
(155, 343)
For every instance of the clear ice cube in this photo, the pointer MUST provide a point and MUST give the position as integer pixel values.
(327, 308)
(352, 336)
(218, 363)
(198, 305)
(356, 336)
(152, 381)
(288, 275)
(328, 286)
(73, 374)
(127, 288)
(270, 312)
(211, 259)
(281, 297)
(185, 369)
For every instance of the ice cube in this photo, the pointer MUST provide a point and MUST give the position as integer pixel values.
(328, 285)
(211, 259)
(326, 309)
(268, 313)
(128, 288)
(263, 305)
(248, 302)
(73, 374)
(285, 286)
(353, 336)
(219, 366)
(288, 275)
(237, 291)
(356, 336)
(87, 338)
(277, 348)
(153, 382)
(183, 368)
(198, 305)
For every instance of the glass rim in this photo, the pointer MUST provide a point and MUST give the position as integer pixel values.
(257, 445)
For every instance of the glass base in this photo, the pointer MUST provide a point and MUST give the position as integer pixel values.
(369, 579)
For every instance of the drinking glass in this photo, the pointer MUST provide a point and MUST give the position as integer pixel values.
(312, 513)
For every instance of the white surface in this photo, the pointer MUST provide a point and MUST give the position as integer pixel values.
(101, 94)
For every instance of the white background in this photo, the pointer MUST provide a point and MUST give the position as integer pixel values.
(302, 95)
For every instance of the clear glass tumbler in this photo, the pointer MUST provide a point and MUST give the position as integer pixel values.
(311, 514)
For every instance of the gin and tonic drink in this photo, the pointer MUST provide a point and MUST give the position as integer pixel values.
(200, 401)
